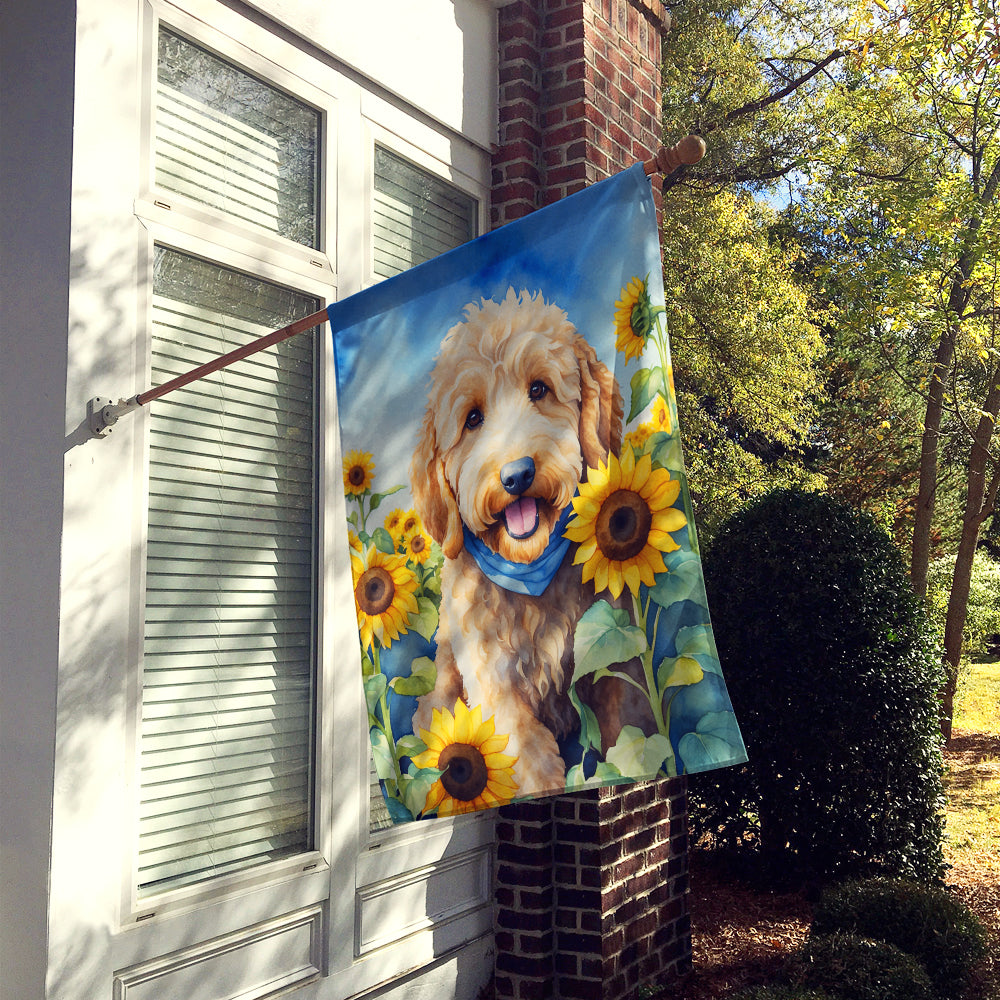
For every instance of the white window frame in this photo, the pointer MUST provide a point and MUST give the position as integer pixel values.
(353, 875)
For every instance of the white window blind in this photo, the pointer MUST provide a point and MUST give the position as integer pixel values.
(228, 675)
(416, 215)
(228, 140)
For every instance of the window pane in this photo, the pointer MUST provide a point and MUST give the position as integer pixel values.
(228, 679)
(228, 140)
(417, 215)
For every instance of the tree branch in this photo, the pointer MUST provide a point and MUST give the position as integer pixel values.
(754, 106)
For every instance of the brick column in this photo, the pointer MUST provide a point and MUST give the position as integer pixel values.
(579, 96)
(591, 889)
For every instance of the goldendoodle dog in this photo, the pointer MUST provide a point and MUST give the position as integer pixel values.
(519, 405)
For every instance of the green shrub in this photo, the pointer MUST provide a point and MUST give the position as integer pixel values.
(833, 672)
(856, 968)
(782, 993)
(925, 922)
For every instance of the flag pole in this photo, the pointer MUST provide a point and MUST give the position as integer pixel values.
(103, 413)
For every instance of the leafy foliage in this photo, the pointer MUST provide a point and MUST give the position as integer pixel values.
(782, 993)
(748, 356)
(983, 613)
(857, 968)
(833, 672)
(926, 922)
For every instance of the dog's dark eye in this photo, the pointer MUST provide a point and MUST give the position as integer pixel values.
(474, 418)
(537, 389)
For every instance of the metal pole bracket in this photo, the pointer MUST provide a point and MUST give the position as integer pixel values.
(103, 413)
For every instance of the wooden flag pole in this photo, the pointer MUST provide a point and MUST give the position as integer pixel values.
(103, 413)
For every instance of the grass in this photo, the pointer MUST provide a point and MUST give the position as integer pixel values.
(978, 698)
(973, 785)
(972, 848)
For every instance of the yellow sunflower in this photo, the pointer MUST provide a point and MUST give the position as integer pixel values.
(622, 521)
(384, 593)
(418, 547)
(359, 472)
(633, 319)
(354, 541)
(410, 523)
(661, 416)
(393, 523)
(477, 775)
(637, 437)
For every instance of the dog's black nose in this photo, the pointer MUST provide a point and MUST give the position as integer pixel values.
(518, 475)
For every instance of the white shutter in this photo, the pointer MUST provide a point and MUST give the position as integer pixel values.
(416, 215)
(227, 681)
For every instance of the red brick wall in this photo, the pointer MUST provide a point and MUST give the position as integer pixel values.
(579, 96)
(591, 889)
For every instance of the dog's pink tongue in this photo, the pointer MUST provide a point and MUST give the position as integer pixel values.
(521, 517)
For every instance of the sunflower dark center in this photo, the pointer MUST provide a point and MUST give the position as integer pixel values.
(623, 525)
(465, 773)
(418, 544)
(356, 475)
(639, 318)
(375, 591)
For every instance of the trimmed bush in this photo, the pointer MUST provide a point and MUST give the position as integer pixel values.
(856, 968)
(925, 922)
(833, 671)
(782, 993)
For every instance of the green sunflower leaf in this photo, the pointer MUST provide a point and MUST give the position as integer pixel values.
(590, 730)
(377, 498)
(715, 742)
(383, 541)
(416, 785)
(374, 689)
(678, 671)
(367, 664)
(605, 636)
(410, 746)
(665, 451)
(425, 620)
(385, 765)
(683, 582)
(637, 755)
(423, 675)
(647, 384)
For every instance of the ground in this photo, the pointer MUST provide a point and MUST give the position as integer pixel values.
(741, 935)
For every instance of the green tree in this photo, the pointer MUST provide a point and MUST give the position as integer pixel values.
(749, 357)
(747, 360)
(910, 180)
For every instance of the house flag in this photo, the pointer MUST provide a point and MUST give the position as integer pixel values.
(530, 603)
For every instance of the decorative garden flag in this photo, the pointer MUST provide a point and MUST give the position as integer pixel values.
(530, 601)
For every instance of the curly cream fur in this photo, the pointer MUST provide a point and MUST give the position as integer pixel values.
(512, 654)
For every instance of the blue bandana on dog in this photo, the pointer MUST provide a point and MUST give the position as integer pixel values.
(531, 578)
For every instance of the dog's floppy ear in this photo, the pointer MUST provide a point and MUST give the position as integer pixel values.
(600, 406)
(432, 494)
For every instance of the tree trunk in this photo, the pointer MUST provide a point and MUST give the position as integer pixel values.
(958, 300)
(979, 500)
(920, 553)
